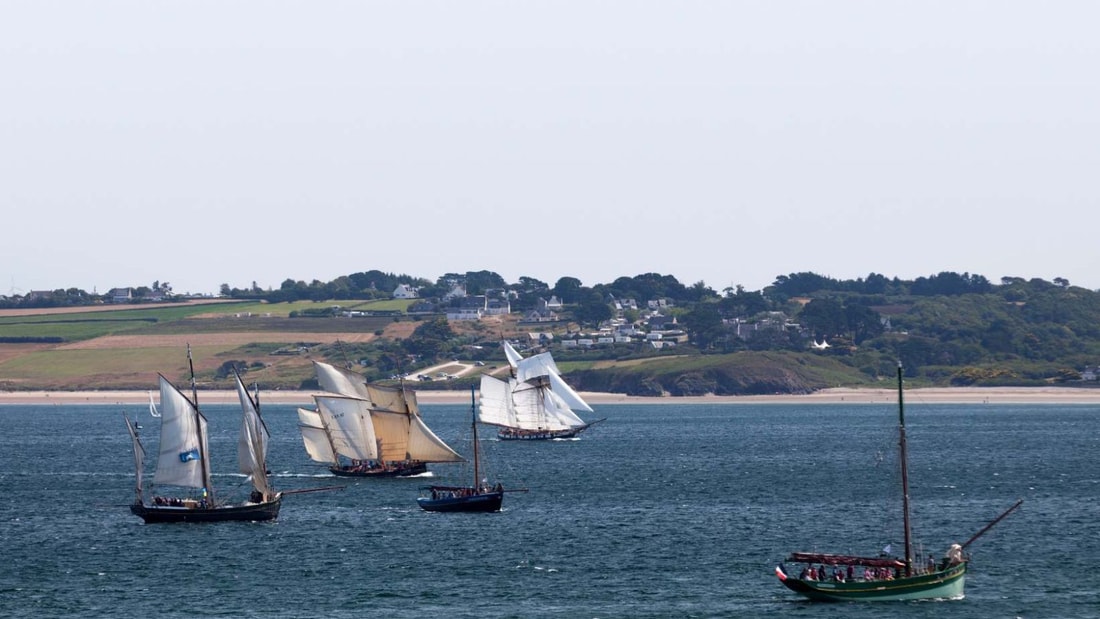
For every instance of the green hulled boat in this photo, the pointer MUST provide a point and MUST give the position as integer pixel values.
(846, 578)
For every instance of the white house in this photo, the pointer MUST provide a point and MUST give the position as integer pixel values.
(405, 291)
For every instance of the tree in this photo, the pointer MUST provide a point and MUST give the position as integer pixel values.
(566, 289)
(430, 338)
(591, 308)
(824, 316)
(704, 325)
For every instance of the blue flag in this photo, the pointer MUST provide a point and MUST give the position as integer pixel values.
(187, 456)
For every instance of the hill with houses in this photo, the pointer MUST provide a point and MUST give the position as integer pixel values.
(642, 335)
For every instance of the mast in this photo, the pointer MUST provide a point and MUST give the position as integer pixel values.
(207, 486)
(473, 424)
(904, 480)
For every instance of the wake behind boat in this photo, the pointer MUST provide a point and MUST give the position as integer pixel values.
(183, 461)
(834, 577)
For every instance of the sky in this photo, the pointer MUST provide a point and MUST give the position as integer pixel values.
(204, 143)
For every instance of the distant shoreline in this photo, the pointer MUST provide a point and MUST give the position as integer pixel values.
(954, 395)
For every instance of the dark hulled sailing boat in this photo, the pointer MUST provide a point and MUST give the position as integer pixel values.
(883, 578)
(479, 497)
(183, 461)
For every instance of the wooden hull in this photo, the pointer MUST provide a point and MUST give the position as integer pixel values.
(482, 502)
(251, 512)
(943, 584)
(395, 471)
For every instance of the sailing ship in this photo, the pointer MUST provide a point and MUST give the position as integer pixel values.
(184, 461)
(885, 577)
(477, 497)
(363, 430)
(153, 406)
(534, 402)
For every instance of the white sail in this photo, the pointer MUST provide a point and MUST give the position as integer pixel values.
(571, 398)
(496, 402)
(542, 365)
(537, 407)
(181, 461)
(252, 444)
(425, 446)
(341, 381)
(139, 457)
(153, 406)
(349, 424)
(315, 436)
(535, 366)
(512, 355)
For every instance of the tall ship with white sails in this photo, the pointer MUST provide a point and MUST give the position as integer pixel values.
(363, 430)
(534, 402)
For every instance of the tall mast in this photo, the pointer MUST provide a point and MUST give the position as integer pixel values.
(198, 428)
(904, 479)
(473, 424)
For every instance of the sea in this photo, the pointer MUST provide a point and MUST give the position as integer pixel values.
(662, 510)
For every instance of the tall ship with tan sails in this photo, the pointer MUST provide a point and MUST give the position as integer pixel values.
(365, 430)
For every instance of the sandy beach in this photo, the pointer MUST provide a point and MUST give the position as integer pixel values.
(961, 395)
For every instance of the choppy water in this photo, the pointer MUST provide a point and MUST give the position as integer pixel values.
(661, 511)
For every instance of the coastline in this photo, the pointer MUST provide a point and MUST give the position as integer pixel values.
(950, 395)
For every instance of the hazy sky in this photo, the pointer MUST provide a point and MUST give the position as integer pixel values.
(203, 143)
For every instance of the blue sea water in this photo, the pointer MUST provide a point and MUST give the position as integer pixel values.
(664, 510)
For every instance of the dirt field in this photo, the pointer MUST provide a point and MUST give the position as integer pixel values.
(210, 339)
(103, 308)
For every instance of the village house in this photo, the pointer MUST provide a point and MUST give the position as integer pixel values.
(405, 291)
(121, 295)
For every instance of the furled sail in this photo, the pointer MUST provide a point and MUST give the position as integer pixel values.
(182, 459)
(252, 445)
(341, 381)
(349, 424)
(315, 436)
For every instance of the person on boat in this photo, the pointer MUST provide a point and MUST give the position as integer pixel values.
(954, 555)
